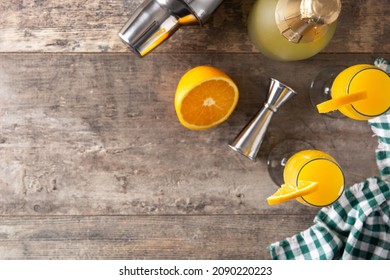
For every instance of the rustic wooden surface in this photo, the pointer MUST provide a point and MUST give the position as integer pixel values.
(95, 165)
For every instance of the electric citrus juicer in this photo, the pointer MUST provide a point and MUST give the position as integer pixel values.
(155, 21)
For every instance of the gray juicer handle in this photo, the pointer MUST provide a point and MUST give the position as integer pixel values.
(203, 9)
(155, 21)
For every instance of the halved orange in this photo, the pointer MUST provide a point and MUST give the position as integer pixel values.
(205, 97)
(287, 191)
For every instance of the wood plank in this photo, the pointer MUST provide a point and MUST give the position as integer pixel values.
(141, 237)
(92, 26)
(98, 134)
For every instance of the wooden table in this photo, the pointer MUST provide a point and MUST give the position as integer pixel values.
(94, 163)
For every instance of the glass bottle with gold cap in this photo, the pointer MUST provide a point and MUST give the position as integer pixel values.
(289, 30)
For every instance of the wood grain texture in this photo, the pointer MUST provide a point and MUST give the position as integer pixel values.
(141, 237)
(92, 26)
(98, 134)
(94, 163)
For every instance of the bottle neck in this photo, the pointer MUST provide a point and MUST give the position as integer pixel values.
(303, 21)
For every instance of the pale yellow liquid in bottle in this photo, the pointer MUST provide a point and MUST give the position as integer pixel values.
(266, 36)
(366, 77)
(316, 166)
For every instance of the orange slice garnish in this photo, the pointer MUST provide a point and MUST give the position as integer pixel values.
(287, 192)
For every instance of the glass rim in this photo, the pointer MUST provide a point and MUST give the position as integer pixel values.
(342, 187)
(348, 91)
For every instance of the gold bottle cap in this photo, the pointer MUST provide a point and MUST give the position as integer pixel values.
(302, 21)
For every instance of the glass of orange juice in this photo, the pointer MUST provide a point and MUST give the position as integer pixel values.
(308, 165)
(359, 92)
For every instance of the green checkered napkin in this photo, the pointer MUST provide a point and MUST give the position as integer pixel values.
(357, 226)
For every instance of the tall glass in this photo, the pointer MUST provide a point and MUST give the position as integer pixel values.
(359, 92)
(316, 166)
(293, 161)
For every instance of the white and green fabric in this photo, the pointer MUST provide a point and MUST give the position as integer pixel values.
(357, 226)
(381, 127)
(382, 64)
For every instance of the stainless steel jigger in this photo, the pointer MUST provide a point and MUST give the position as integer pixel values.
(249, 140)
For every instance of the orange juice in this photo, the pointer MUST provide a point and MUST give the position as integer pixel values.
(316, 166)
(265, 33)
(363, 77)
